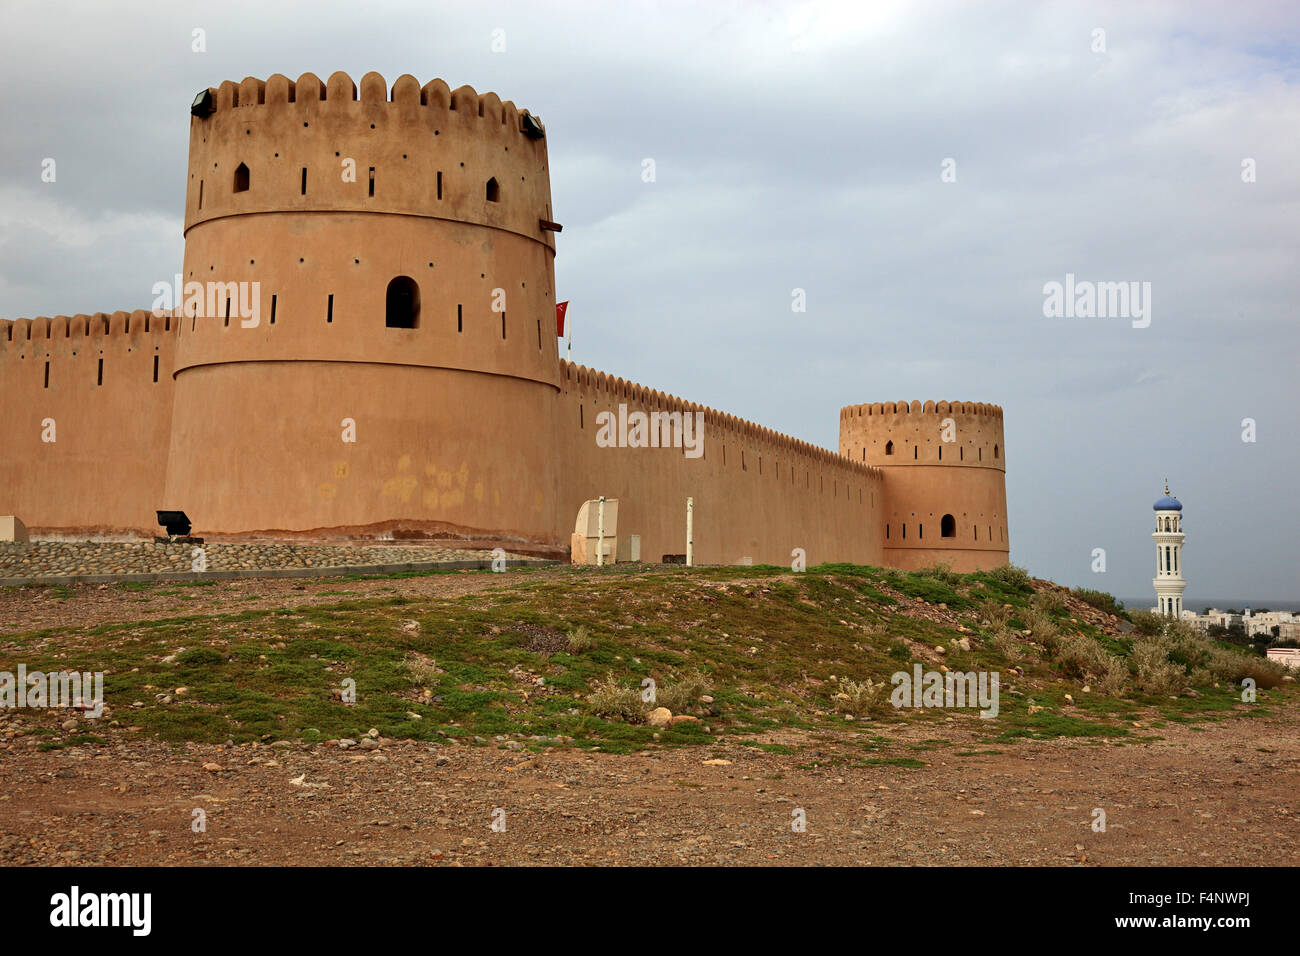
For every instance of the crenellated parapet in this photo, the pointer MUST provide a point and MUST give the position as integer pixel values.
(613, 390)
(64, 335)
(959, 434)
(285, 145)
(878, 409)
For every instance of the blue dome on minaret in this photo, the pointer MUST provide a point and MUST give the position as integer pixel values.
(1168, 502)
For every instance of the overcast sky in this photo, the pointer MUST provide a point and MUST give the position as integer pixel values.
(803, 146)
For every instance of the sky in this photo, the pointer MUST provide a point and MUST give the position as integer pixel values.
(922, 171)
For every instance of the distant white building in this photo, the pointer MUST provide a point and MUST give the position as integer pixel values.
(1169, 583)
(1264, 623)
(1289, 656)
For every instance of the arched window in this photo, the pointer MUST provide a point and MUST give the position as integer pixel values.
(889, 448)
(948, 527)
(241, 178)
(493, 190)
(402, 305)
(995, 451)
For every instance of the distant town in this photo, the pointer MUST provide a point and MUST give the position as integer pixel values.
(1275, 633)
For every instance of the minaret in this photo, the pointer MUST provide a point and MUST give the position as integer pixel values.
(1169, 583)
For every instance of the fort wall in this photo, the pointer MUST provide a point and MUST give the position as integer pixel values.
(105, 383)
(757, 494)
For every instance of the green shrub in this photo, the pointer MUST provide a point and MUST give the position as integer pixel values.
(1100, 600)
(940, 572)
(1147, 622)
(201, 656)
(1011, 574)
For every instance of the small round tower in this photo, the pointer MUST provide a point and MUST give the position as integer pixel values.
(402, 362)
(944, 468)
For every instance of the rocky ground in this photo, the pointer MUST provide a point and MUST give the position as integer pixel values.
(1226, 794)
(54, 558)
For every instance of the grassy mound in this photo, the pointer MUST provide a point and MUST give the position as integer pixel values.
(569, 656)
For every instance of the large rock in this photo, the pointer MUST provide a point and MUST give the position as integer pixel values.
(659, 717)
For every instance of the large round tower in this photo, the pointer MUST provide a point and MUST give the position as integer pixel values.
(401, 369)
(944, 470)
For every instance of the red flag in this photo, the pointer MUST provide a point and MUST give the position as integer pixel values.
(560, 309)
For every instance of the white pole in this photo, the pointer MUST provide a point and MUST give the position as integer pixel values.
(600, 533)
(690, 532)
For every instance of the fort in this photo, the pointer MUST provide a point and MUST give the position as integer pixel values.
(401, 246)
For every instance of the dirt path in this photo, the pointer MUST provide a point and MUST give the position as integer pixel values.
(1228, 793)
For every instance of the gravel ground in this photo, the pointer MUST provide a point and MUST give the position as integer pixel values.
(71, 557)
(1226, 794)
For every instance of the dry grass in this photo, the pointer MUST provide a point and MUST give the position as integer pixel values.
(684, 694)
(580, 640)
(860, 698)
(611, 699)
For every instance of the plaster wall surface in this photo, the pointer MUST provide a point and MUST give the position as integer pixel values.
(757, 494)
(100, 386)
